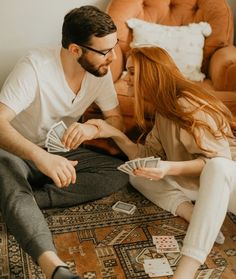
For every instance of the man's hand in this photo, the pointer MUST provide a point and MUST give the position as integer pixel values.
(77, 133)
(58, 168)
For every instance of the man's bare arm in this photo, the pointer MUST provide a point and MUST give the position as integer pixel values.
(11, 140)
(63, 171)
(114, 118)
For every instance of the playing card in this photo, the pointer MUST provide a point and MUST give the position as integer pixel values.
(166, 244)
(214, 273)
(151, 162)
(124, 207)
(138, 162)
(125, 169)
(132, 164)
(128, 167)
(59, 129)
(51, 134)
(157, 267)
(53, 139)
(204, 274)
(141, 162)
(54, 150)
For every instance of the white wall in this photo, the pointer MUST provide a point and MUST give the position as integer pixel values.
(25, 24)
(232, 4)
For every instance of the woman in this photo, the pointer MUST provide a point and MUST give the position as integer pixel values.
(194, 134)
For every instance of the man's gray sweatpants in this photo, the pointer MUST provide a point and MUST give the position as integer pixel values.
(24, 190)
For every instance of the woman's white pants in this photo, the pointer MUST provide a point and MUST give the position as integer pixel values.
(216, 196)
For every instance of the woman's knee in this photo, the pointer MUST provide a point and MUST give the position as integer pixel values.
(215, 164)
(217, 170)
(160, 193)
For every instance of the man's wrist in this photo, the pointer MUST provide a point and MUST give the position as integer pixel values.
(36, 152)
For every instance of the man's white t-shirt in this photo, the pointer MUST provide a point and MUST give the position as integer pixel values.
(37, 91)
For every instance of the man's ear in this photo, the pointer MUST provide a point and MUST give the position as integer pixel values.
(75, 50)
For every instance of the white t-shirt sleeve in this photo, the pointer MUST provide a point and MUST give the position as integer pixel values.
(19, 89)
(107, 98)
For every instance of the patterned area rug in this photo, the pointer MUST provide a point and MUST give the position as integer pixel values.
(100, 243)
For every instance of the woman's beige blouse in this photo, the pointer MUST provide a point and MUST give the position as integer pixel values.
(172, 143)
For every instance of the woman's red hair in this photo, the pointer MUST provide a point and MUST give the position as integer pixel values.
(158, 81)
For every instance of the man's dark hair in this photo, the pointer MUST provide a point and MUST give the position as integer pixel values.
(80, 24)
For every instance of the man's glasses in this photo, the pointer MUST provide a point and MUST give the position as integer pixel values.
(103, 53)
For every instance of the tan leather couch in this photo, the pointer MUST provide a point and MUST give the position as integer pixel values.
(219, 62)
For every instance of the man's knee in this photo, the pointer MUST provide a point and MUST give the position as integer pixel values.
(13, 175)
(9, 163)
(8, 159)
(116, 181)
(217, 168)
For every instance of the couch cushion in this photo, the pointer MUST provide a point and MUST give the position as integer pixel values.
(173, 13)
(183, 43)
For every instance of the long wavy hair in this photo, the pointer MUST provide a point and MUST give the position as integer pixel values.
(158, 81)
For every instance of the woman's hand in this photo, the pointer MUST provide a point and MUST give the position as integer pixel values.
(105, 130)
(154, 173)
(188, 168)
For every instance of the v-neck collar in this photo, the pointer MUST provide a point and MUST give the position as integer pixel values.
(80, 94)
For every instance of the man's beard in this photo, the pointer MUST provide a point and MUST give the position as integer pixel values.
(89, 67)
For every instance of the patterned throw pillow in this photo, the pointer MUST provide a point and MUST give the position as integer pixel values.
(183, 43)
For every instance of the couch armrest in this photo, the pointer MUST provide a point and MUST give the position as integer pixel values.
(222, 69)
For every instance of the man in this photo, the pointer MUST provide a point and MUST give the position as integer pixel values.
(45, 87)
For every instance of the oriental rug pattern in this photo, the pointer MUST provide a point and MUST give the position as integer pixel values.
(100, 243)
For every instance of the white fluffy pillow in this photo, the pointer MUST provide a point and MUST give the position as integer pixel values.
(183, 43)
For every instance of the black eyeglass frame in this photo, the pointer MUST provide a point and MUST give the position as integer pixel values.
(98, 51)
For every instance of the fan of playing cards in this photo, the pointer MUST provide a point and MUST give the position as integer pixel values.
(148, 162)
(53, 140)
